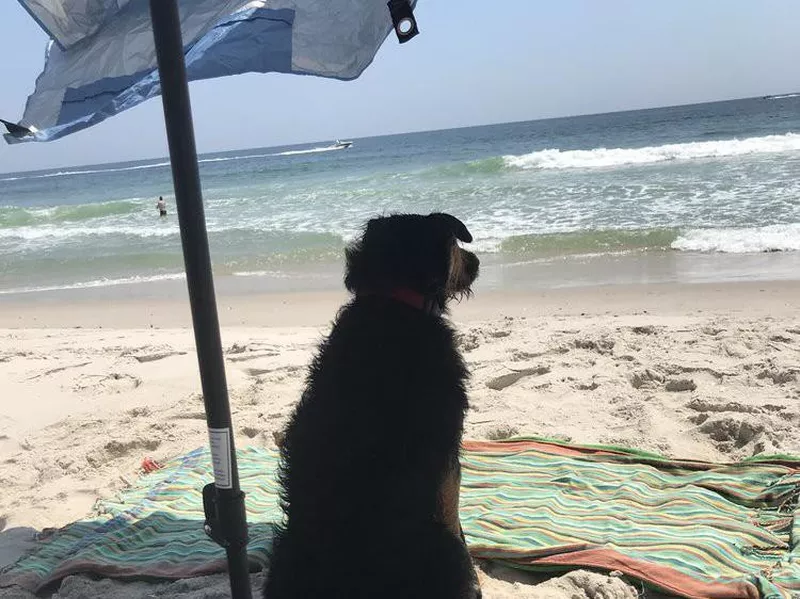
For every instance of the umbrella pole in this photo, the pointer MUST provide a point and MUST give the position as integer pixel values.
(223, 501)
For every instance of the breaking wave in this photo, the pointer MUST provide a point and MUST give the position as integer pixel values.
(611, 157)
(771, 238)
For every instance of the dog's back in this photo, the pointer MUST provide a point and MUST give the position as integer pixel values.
(364, 455)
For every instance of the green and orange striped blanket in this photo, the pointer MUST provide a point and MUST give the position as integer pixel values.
(692, 529)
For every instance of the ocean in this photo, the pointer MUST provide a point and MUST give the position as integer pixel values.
(706, 192)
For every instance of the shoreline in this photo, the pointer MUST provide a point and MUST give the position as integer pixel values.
(499, 273)
(318, 308)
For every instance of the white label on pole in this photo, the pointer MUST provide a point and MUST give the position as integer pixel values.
(220, 441)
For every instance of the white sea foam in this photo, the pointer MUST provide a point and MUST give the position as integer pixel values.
(611, 157)
(95, 283)
(741, 241)
(58, 233)
(261, 273)
(49, 236)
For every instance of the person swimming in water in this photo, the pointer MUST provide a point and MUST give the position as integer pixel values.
(162, 206)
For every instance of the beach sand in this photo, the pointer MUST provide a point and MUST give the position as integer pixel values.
(90, 388)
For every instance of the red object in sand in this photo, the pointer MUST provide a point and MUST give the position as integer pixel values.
(150, 465)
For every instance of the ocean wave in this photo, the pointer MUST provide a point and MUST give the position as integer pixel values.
(611, 157)
(589, 242)
(264, 234)
(56, 232)
(770, 238)
(135, 280)
(310, 244)
(486, 166)
(14, 216)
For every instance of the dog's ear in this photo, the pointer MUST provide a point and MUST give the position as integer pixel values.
(453, 226)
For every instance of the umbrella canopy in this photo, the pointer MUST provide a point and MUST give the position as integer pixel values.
(101, 59)
(106, 56)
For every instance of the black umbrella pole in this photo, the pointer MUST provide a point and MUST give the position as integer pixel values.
(224, 502)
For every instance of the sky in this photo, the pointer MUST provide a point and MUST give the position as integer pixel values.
(473, 63)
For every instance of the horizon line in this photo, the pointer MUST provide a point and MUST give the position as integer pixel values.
(399, 133)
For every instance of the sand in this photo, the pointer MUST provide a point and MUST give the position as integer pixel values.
(701, 371)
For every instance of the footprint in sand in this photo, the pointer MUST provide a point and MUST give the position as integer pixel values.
(506, 380)
(253, 356)
(646, 379)
(59, 369)
(587, 386)
(116, 449)
(114, 382)
(501, 432)
(645, 330)
(189, 416)
(680, 385)
(154, 357)
(702, 405)
(602, 345)
(468, 341)
(251, 432)
(139, 412)
(778, 377)
(731, 433)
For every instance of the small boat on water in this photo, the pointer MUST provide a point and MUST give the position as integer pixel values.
(341, 145)
(782, 96)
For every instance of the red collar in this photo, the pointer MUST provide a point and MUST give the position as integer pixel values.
(414, 299)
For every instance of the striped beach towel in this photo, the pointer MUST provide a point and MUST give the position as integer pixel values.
(692, 529)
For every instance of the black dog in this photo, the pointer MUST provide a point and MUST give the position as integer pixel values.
(369, 462)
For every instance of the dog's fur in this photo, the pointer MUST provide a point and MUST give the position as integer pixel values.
(369, 462)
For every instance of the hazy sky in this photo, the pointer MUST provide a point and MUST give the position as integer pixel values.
(474, 63)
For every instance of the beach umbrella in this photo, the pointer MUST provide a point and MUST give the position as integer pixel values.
(105, 56)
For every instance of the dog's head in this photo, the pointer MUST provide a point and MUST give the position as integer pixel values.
(416, 252)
